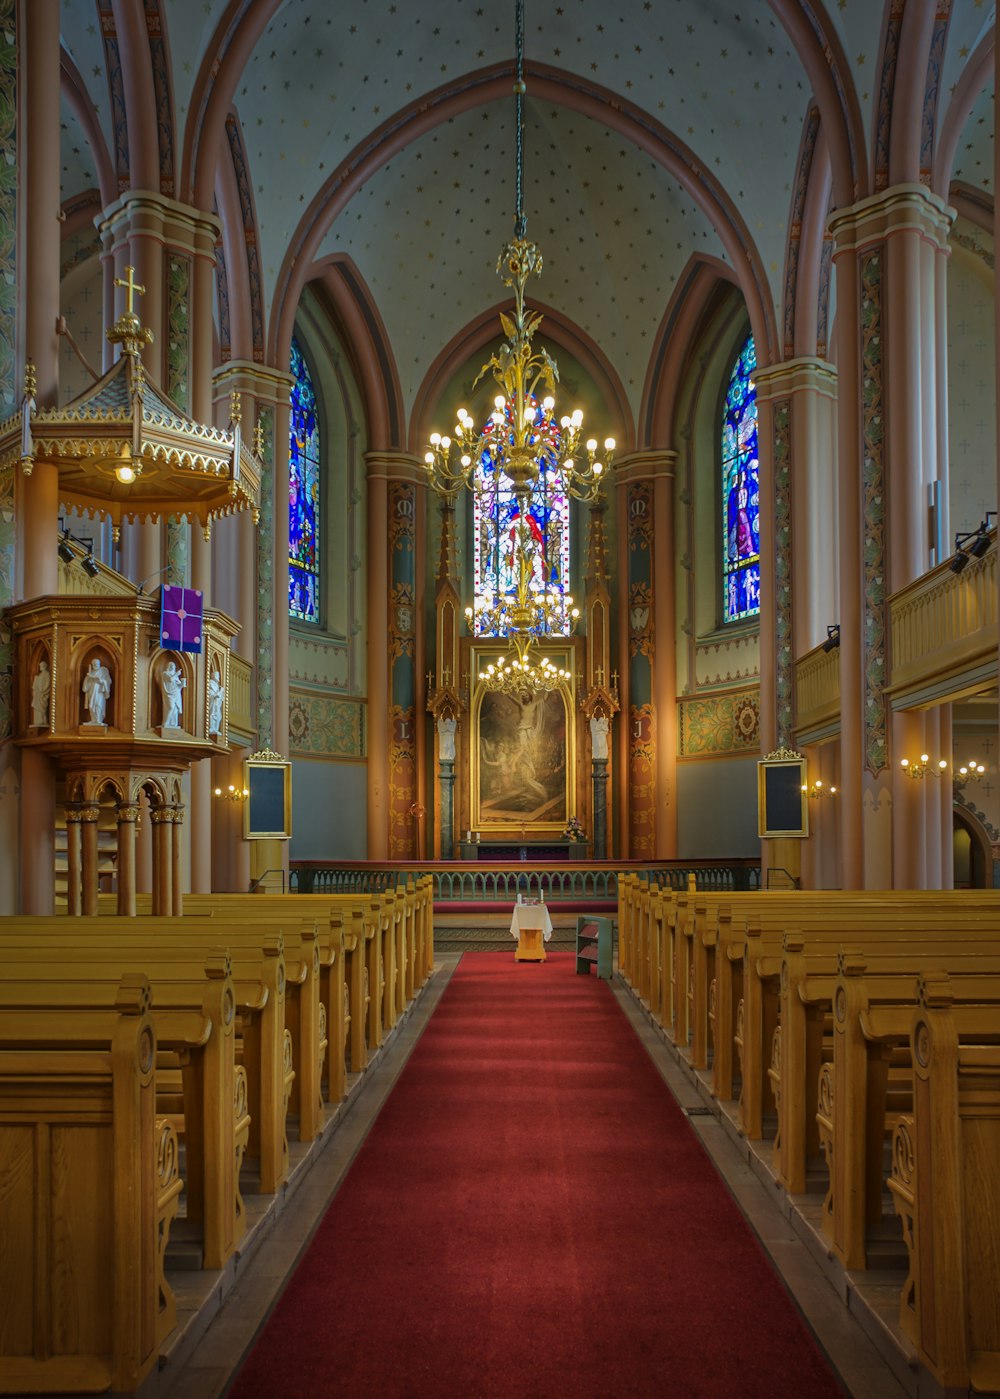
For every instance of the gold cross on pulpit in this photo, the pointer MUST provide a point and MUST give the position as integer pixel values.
(131, 286)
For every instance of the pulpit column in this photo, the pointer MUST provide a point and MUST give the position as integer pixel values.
(89, 815)
(161, 818)
(127, 818)
(176, 864)
(74, 891)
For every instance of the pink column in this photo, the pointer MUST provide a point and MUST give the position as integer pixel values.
(37, 510)
(851, 608)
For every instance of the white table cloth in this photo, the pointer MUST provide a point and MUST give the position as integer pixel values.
(530, 916)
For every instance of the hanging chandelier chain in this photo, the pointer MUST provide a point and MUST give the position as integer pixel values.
(523, 445)
(520, 222)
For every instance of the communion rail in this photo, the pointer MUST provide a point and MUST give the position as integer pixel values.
(461, 883)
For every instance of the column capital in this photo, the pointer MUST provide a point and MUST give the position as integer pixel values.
(258, 381)
(395, 466)
(805, 374)
(645, 466)
(908, 208)
(89, 813)
(146, 212)
(126, 814)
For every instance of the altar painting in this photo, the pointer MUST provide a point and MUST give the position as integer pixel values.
(521, 763)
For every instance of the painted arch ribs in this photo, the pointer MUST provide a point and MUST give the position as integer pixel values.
(803, 172)
(932, 93)
(116, 94)
(248, 214)
(162, 96)
(887, 80)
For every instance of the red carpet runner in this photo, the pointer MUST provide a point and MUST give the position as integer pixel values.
(532, 1215)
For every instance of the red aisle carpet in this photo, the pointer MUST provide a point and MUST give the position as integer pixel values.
(532, 1215)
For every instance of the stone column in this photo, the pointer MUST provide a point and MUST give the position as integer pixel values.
(599, 781)
(888, 344)
(393, 683)
(74, 887)
(127, 818)
(446, 780)
(89, 813)
(645, 484)
(795, 403)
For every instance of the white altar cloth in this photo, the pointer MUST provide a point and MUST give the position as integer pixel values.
(530, 916)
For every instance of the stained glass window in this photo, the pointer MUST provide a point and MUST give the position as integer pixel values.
(303, 495)
(496, 516)
(740, 492)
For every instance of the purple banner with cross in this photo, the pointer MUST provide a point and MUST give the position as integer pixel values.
(181, 616)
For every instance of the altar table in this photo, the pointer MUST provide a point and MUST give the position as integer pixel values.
(531, 925)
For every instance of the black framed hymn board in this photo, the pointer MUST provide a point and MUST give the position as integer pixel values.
(267, 811)
(782, 799)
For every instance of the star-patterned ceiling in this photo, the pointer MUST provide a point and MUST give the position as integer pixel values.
(616, 229)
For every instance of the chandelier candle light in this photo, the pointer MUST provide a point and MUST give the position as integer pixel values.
(520, 442)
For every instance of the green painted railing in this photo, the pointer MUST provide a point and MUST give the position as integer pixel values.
(481, 882)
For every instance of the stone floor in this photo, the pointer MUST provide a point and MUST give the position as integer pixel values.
(220, 1314)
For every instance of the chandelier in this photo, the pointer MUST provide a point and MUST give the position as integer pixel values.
(521, 442)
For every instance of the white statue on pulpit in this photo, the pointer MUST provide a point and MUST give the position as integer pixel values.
(41, 690)
(216, 695)
(96, 689)
(172, 683)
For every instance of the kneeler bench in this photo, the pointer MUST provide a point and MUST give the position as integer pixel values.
(593, 946)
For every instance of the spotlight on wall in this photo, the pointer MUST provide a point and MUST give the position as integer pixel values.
(64, 550)
(832, 637)
(89, 564)
(67, 553)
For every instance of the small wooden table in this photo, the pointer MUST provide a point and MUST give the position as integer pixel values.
(531, 925)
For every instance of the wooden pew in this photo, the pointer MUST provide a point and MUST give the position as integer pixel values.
(804, 1037)
(90, 1191)
(872, 1018)
(195, 1023)
(945, 1157)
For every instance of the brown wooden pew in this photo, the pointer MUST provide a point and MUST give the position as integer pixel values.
(90, 1191)
(259, 983)
(945, 1158)
(803, 1039)
(872, 1022)
(195, 1019)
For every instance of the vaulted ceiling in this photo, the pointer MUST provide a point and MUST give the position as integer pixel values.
(716, 93)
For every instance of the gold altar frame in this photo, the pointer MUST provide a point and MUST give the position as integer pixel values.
(489, 814)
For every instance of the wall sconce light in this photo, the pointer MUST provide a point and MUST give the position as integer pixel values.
(973, 544)
(818, 790)
(233, 794)
(832, 638)
(925, 768)
(972, 769)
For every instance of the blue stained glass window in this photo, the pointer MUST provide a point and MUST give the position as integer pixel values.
(303, 495)
(740, 492)
(496, 515)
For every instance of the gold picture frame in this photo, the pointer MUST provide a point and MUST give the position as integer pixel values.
(267, 810)
(523, 752)
(782, 805)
